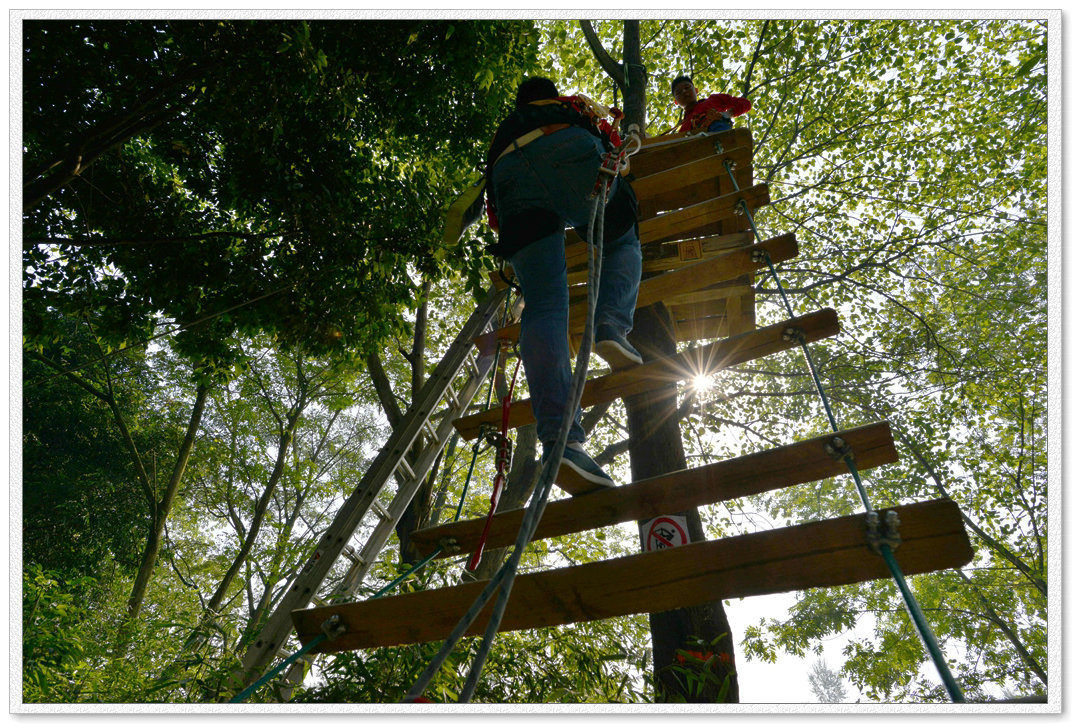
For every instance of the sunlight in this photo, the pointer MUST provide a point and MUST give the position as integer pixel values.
(703, 383)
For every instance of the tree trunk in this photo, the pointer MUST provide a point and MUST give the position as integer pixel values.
(286, 438)
(164, 506)
(656, 448)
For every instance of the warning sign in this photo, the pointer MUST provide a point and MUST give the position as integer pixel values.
(662, 532)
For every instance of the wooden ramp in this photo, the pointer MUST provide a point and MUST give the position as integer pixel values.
(819, 554)
(740, 477)
(654, 374)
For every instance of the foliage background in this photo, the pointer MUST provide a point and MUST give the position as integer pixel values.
(909, 159)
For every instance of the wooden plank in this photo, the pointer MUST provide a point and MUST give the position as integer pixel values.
(723, 291)
(653, 160)
(691, 184)
(695, 171)
(743, 476)
(819, 554)
(702, 191)
(664, 257)
(702, 328)
(699, 218)
(654, 374)
(654, 258)
(696, 310)
(694, 221)
(719, 268)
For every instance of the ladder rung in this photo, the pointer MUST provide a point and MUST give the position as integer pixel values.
(743, 476)
(350, 553)
(654, 374)
(819, 554)
(406, 468)
(654, 161)
(379, 510)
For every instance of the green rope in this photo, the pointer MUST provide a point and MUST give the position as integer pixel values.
(912, 607)
(283, 664)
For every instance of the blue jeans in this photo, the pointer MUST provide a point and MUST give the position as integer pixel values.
(558, 172)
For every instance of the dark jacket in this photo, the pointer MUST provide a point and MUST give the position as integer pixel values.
(528, 226)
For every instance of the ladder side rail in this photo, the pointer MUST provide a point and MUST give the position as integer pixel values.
(358, 571)
(273, 636)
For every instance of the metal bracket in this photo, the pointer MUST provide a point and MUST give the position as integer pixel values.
(717, 146)
(760, 256)
(741, 207)
(334, 627)
(876, 536)
(839, 449)
(793, 334)
(449, 545)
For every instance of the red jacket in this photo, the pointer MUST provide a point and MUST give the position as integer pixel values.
(705, 112)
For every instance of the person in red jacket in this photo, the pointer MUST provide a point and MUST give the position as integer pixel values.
(710, 114)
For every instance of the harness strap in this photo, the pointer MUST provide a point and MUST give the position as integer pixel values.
(531, 136)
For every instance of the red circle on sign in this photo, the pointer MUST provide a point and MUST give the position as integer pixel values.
(657, 540)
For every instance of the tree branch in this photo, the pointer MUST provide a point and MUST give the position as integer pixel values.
(613, 69)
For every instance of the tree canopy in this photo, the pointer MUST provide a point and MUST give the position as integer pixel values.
(247, 214)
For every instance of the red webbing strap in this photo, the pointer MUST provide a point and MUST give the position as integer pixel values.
(502, 457)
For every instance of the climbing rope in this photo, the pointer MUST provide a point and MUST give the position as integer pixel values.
(502, 581)
(880, 544)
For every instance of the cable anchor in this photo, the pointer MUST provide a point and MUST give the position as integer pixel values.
(839, 449)
(877, 536)
(760, 256)
(334, 626)
(449, 545)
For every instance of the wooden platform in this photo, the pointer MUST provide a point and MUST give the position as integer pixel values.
(696, 277)
(654, 374)
(743, 476)
(818, 554)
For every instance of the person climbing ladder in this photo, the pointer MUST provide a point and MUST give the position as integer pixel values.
(541, 170)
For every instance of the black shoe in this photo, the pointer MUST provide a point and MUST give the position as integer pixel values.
(615, 349)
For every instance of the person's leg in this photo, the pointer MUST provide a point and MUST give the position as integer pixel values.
(619, 280)
(541, 270)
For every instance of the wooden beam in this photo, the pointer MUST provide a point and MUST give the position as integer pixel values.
(819, 554)
(700, 218)
(656, 258)
(721, 291)
(654, 374)
(666, 256)
(654, 160)
(702, 168)
(691, 184)
(694, 221)
(730, 479)
(720, 268)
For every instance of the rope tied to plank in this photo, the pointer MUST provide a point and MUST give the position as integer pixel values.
(880, 542)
